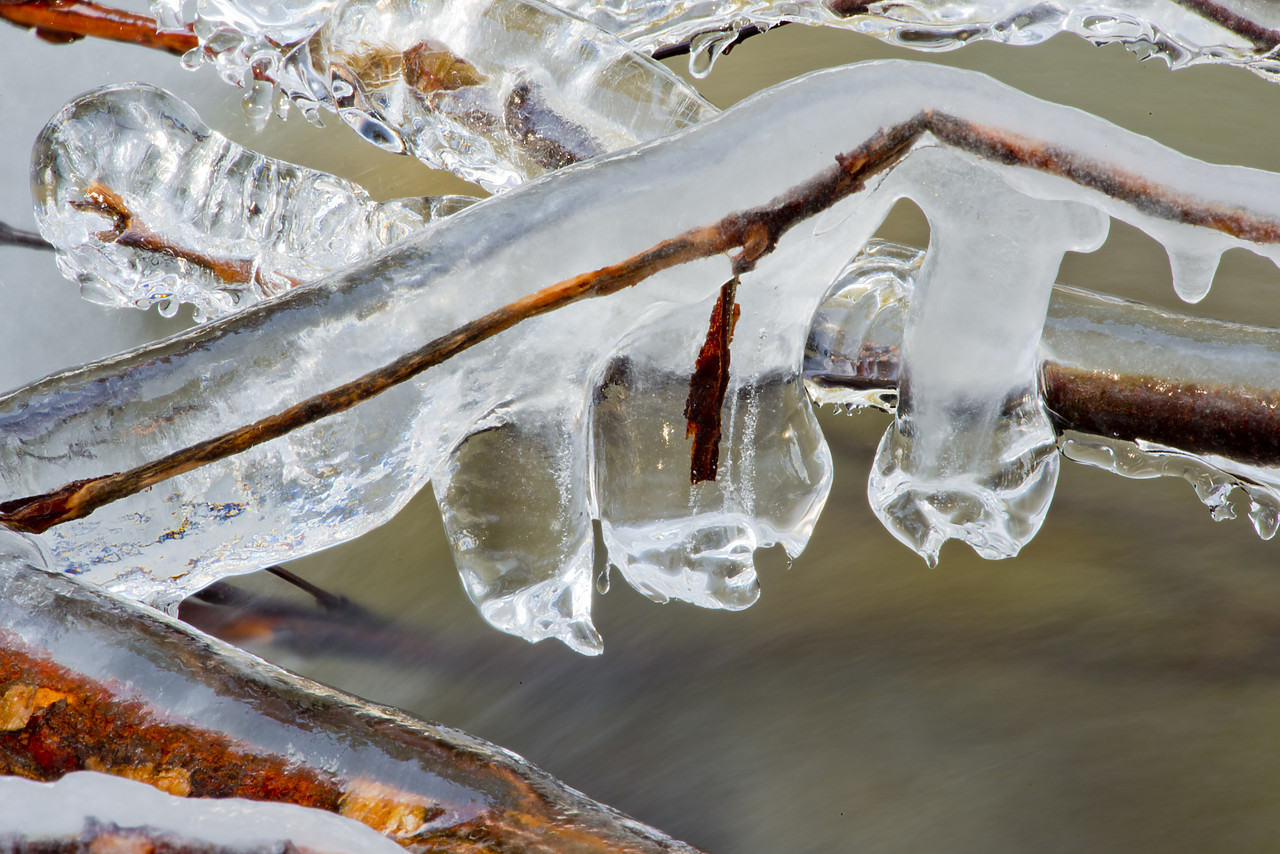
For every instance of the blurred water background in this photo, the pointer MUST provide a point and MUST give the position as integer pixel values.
(1114, 688)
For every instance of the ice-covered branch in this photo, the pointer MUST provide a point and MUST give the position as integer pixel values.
(89, 682)
(1182, 32)
(69, 20)
(1134, 389)
(597, 433)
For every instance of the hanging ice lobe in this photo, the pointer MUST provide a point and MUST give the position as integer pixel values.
(972, 454)
(146, 205)
(595, 392)
(495, 91)
(1182, 33)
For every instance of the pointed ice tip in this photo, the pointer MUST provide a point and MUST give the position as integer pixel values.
(581, 637)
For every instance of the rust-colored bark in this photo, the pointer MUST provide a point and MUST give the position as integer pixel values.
(126, 229)
(54, 720)
(72, 20)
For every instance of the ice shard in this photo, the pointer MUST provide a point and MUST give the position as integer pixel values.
(148, 206)
(495, 91)
(612, 375)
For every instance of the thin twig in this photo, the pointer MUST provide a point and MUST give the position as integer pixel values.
(71, 20)
(10, 236)
(755, 232)
(126, 229)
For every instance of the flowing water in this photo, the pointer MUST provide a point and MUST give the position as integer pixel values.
(1113, 688)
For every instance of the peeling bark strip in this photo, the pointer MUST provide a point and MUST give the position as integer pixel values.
(72, 20)
(708, 385)
(754, 232)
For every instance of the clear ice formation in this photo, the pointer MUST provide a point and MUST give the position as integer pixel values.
(594, 392)
(858, 333)
(86, 805)
(148, 206)
(495, 91)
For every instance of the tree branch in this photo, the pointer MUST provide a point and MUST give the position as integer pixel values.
(72, 20)
(755, 232)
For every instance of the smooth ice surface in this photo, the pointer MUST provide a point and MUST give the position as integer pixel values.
(204, 220)
(496, 91)
(33, 813)
(1177, 32)
(606, 379)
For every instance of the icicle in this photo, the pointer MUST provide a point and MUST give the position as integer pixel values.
(495, 91)
(515, 502)
(146, 205)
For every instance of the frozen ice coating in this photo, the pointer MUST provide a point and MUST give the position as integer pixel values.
(1182, 32)
(972, 454)
(146, 205)
(496, 91)
(516, 507)
(1097, 345)
(85, 806)
(133, 693)
(600, 396)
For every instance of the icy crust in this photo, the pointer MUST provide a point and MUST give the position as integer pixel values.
(148, 206)
(94, 810)
(614, 369)
(162, 701)
(495, 91)
(1177, 32)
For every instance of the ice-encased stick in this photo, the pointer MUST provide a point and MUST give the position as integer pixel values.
(1182, 32)
(1135, 389)
(347, 473)
(91, 682)
(147, 205)
(495, 91)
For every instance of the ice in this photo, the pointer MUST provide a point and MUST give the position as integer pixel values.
(496, 91)
(144, 696)
(972, 455)
(148, 206)
(84, 805)
(855, 349)
(596, 392)
(1243, 32)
